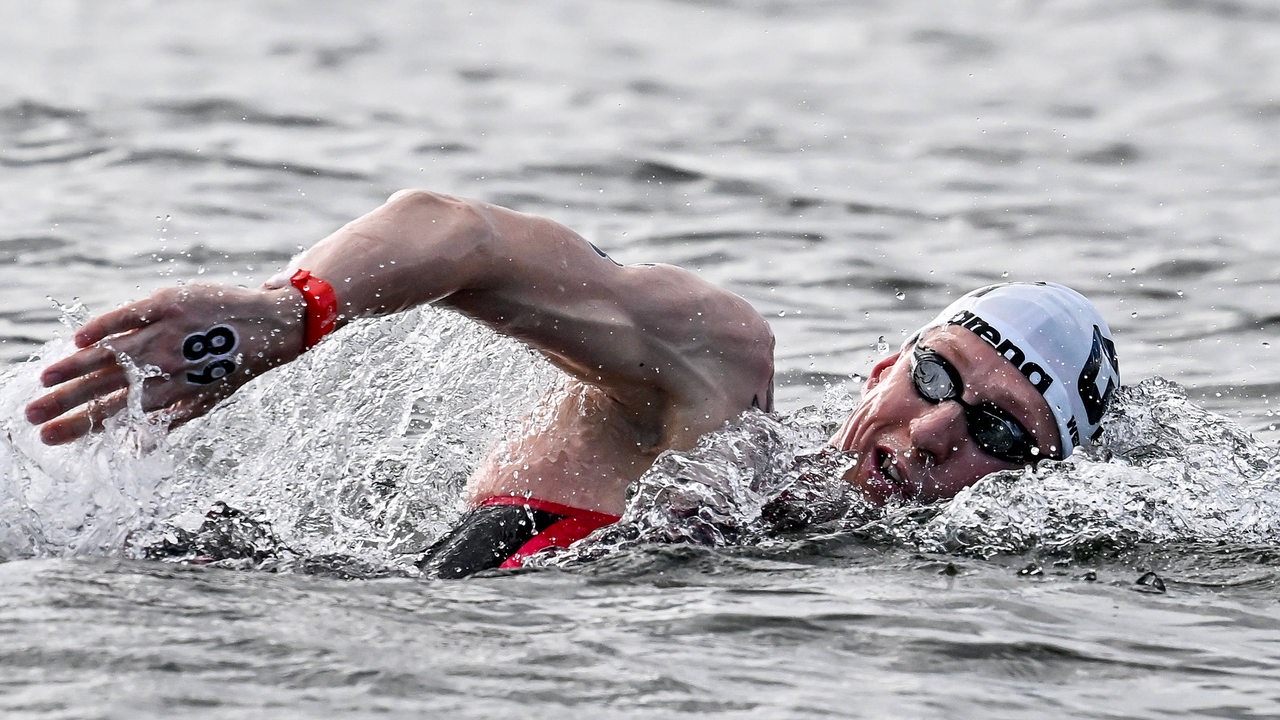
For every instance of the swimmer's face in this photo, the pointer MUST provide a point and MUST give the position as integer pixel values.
(910, 448)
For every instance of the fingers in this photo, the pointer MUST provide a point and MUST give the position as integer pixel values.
(77, 425)
(71, 395)
(129, 317)
(82, 363)
(205, 341)
(81, 408)
(82, 404)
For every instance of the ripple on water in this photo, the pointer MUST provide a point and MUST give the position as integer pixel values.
(175, 158)
(33, 133)
(208, 111)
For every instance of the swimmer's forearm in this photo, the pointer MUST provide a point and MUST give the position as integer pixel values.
(642, 330)
(418, 247)
(650, 335)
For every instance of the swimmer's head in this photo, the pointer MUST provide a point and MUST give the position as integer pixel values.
(1056, 338)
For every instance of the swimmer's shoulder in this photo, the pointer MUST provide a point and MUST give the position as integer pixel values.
(716, 332)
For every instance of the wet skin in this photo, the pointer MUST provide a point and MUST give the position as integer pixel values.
(655, 356)
(911, 449)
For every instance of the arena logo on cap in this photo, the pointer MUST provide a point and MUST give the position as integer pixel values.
(970, 321)
(1096, 382)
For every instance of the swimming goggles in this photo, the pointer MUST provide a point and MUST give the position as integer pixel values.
(993, 428)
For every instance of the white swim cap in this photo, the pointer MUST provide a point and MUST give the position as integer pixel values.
(1056, 338)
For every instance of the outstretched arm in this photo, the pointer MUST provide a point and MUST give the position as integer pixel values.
(653, 337)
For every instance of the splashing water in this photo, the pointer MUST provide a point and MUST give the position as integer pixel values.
(361, 446)
(1166, 472)
(52, 500)
(360, 449)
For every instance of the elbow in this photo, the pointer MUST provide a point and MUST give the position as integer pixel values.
(458, 230)
(417, 196)
(433, 207)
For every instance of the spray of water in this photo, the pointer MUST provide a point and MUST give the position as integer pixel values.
(1166, 472)
(357, 454)
(52, 501)
(360, 447)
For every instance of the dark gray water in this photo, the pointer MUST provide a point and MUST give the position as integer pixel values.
(847, 167)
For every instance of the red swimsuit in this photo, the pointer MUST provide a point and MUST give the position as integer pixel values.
(575, 524)
(502, 531)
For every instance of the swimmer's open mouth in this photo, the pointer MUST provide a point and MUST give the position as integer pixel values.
(889, 468)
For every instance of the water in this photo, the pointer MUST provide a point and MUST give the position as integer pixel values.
(847, 167)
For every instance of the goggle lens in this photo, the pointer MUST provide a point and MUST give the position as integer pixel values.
(995, 431)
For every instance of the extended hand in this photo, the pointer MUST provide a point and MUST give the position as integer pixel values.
(207, 341)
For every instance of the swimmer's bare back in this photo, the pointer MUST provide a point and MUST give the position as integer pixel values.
(656, 356)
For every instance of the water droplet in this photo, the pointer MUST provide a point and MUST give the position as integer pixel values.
(882, 345)
(900, 295)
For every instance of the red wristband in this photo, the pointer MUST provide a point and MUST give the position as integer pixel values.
(322, 306)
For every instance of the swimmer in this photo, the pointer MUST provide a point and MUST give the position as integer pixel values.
(656, 357)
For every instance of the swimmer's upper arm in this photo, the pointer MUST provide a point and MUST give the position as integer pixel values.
(651, 336)
(648, 334)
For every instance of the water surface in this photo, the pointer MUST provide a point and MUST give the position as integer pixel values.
(846, 167)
